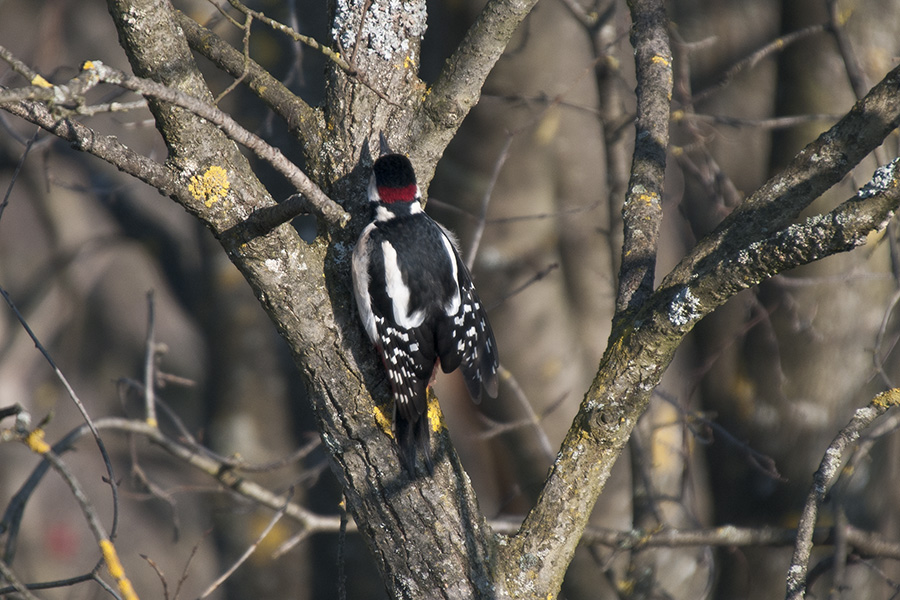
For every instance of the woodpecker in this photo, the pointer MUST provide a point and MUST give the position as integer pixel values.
(417, 303)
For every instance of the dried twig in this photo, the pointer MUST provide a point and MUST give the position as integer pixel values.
(77, 401)
(532, 419)
(335, 57)
(15, 176)
(150, 364)
(248, 21)
(822, 479)
(748, 62)
(71, 97)
(485, 201)
(250, 549)
(16, 585)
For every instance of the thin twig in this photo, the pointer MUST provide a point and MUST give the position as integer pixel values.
(96, 72)
(822, 479)
(109, 107)
(531, 281)
(248, 21)
(33, 77)
(773, 123)
(159, 575)
(335, 57)
(486, 200)
(16, 585)
(855, 73)
(77, 401)
(362, 21)
(150, 364)
(250, 549)
(532, 419)
(748, 62)
(879, 353)
(49, 585)
(108, 550)
(190, 561)
(230, 462)
(293, 34)
(302, 120)
(326, 207)
(205, 462)
(863, 542)
(289, 543)
(696, 422)
(105, 147)
(15, 176)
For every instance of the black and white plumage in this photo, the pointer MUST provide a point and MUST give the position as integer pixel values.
(417, 303)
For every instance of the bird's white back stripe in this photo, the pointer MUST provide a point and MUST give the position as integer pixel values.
(398, 291)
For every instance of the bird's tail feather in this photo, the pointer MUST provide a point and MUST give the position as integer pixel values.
(413, 438)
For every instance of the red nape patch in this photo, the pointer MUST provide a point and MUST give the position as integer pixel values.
(392, 194)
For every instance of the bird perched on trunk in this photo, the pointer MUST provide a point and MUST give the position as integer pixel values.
(417, 303)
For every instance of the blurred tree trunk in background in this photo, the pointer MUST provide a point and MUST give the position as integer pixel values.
(548, 217)
(771, 352)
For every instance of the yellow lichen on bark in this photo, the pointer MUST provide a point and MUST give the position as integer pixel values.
(210, 187)
(41, 82)
(888, 398)
(35, 441)
(114, 566)
(435, 416)
(382, 417)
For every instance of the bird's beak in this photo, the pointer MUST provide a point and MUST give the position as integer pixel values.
(383, 144)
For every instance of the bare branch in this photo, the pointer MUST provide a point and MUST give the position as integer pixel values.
(250, 549)
(458, 87)
(827, 471)
(205, 462)
(150, 364)
(773, 123)
(583, 464)
(114, 488)
(245, 66)
(304, 122)
(620, 392)
(15, 175)
(816, 168)
(34, 440)
(485, 201)
(107, 148)
(297, 37)
(742, 263)
(863, 542)
(776, 45)
(325, 206)
(7, 574)
(72, 94)
(642, 211)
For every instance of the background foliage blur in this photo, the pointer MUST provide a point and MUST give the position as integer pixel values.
(734, 433)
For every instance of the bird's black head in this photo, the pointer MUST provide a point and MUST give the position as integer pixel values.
(394, 179)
